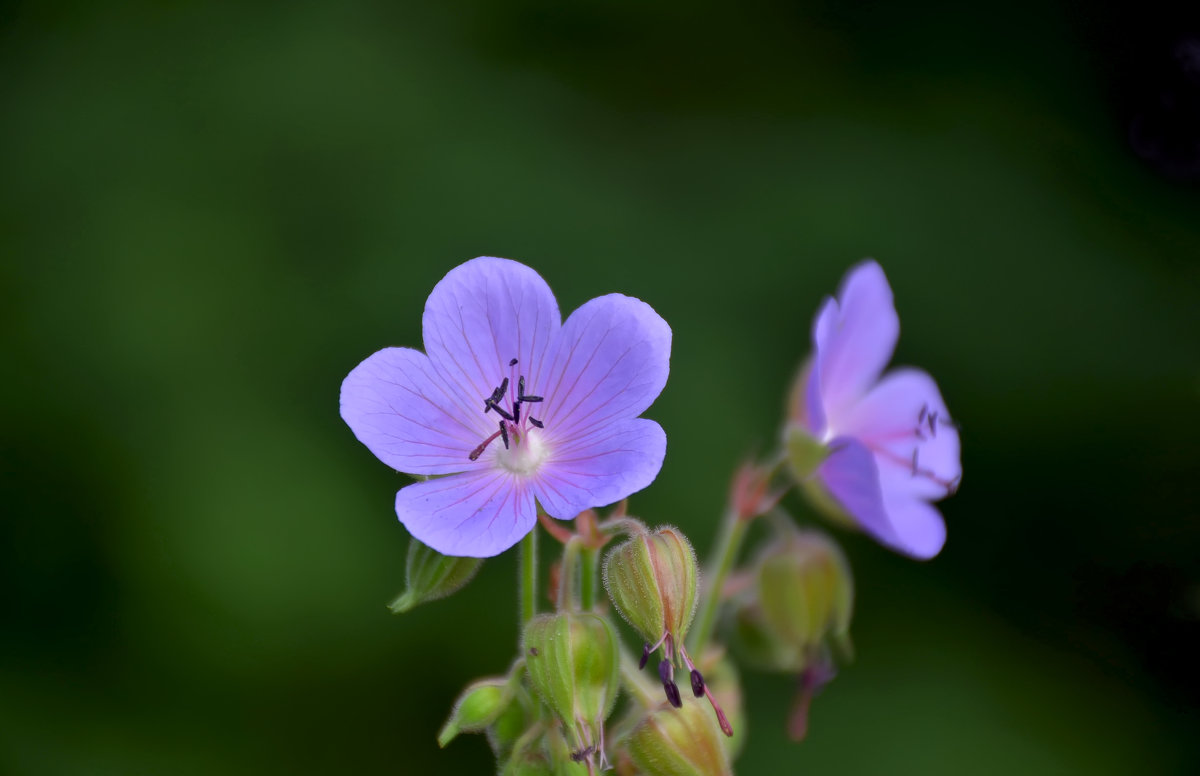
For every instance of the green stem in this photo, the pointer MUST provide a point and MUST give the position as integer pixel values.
(566, 574)
(733, 531)
(587, 579)
(528, 594)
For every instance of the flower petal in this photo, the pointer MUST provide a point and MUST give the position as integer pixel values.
(905, 422)
(480, 316)
(401, 410)
(609, 362)
(896, 520)
(601, 468)
(477, 514)
(854, 337)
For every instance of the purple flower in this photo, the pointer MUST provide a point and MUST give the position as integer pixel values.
(880, 449)
(512, 405)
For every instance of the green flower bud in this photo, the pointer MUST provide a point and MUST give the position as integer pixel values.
(477, 707)
(801, 605)
(806, 592)
(651, 579)
(431, 575)
(678, 742)
(572, 661)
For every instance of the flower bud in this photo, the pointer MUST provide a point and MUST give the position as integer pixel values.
(806, 591)
(477, 707)
(651, 578)
(800, 606)
(431, 575)
(572, 661)
(678, 742)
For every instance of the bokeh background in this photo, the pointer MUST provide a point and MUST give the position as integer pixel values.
(210, 212)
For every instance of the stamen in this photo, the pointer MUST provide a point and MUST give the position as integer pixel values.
(503, 433)
(933, 424)
(666, 672)
(513, 362)
(501, 411)
(536, 422)
(478, 451)
(921, 415)
(697, 683)
(915, 468)
(521, 395)
(645, 656)
(517, 413)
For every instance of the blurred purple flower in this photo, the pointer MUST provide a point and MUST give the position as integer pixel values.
(889, 445)
(512, 405)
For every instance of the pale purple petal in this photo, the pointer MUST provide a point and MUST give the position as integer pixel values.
(601, 468)
(905, 422)
(399, 408)
(480, 316)
(854, 337)
(907, 525)
(609, 362)
(477, 514)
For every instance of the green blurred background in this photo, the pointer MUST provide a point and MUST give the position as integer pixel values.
(209, 213)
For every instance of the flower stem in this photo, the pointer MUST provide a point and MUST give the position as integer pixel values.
(528, 587)
(566, 574)
(587, 579)
(733, 531)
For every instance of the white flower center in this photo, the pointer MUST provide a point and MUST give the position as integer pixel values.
(525, 455)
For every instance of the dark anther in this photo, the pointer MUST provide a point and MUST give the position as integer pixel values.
(500, 411)
(664, 671)
(536, 422)
(697, 683)
(582, 754)
(517, 412)
(914, 468)
(504, 434)
(673, 695)
(933, 424)
(521, 396)
(920, 434)
(921, 415)
(513, 362)
(645, 656)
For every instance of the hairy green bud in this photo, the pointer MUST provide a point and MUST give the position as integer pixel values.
(652, 579)
(678, 742)
(431, 575)
(477, 707)
(571, 659)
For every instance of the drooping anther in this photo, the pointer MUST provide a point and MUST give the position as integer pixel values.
(504, 434)
(517, 412)
(921, 414)
(666, 672)
(645, 656)
(521, 395)
(933, 424)
(536, 422)
(513, 362)
(500, 411)
(697, 683)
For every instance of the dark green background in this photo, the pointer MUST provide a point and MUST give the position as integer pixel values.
(210, 213)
